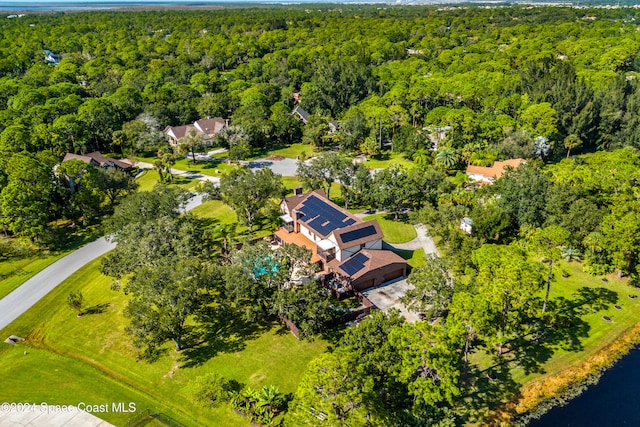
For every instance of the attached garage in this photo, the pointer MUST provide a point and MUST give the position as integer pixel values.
(371, 268)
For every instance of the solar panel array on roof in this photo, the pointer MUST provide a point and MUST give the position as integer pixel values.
(354, 264)
(350, 236)
(322, 217)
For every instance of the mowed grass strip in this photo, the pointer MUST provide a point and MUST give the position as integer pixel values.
(96, 356)
(394, 231)
(210, 168)
(17, 269)
(42, 376)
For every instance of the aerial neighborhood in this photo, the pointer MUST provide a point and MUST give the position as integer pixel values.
(339, 215)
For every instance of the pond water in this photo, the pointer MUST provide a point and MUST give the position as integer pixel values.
(614, 401)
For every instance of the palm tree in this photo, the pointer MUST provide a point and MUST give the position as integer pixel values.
(541, 147)
(572, 141)
(190, 143)
(446, 157)
(227, 232)
(594, 242)
(483, 158)
(166, 159)
(421, 156)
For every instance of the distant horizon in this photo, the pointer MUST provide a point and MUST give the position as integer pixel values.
(16, 6)
(84, 2)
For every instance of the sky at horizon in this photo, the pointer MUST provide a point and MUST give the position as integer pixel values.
(38, 2)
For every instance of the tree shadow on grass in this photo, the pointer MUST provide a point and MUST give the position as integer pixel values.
(486, 390)
(590, 300)
(214, 163)
(528, 353)
(219, 330)
(402, 217)
(181, 180)
(97, 309)
(561, 327)
(564, 326)
(282, 330)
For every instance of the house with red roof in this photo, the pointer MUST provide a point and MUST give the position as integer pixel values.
(487, 175)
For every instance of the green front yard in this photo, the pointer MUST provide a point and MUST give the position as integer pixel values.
(150, 178)
(293, 151)
(394, 231)
(388, 158)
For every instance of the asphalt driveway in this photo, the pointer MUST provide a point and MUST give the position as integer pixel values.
(284, 167)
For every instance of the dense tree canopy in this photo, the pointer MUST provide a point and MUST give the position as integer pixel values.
(248, 192)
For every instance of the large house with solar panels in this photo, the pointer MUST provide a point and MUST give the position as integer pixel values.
(346, 247)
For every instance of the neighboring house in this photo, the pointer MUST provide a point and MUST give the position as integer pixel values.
(346, 246)
(487, 175)
(333, 126)
(97, 159)
(436, 135)
(466, 225)
(303, 116)
(301, 113)
(208, 128)
(176, 133)
(51, 58)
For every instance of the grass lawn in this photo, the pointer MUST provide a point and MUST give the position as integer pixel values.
(291, 182)
(292, 151)
(394, 231)
(216, 212)
(582, 300)
(414, 258)
(388, 158)
(92, 360)
(150, 178)
(205, 168)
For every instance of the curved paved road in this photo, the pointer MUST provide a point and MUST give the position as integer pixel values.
(30, 292)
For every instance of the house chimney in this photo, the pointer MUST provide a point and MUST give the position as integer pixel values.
(297, 191)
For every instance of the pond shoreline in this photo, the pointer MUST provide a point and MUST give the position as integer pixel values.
(542, 395)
